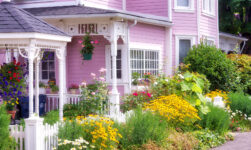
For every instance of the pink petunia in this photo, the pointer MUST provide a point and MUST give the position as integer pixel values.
(96, 41)
(101, 79)
(80, 41)
(92, 42)
(149, 95)
(135, 94)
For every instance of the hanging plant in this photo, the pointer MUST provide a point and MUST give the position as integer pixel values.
(87, 47)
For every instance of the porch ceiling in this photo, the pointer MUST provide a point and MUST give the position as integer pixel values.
(87, 12)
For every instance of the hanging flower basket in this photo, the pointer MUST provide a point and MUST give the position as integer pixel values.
(87, 46)
(87, 56)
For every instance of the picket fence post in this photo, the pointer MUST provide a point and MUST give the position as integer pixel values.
(34, 133)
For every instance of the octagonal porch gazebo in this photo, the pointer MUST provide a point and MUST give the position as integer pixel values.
(29, 36)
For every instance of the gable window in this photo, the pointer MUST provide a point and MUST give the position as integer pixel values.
(48, 66)
(183, 45)
(144, 61)
(208, 7)
(184, 5)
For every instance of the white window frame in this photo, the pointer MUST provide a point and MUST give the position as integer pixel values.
(123, 63)
(177, 40)
(189, 9)
(205, 8)
(208, 38)
(40, 69)
(148, 47)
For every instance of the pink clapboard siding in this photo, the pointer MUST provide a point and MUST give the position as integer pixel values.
(113, 4)
(208, 24)
(153, 7)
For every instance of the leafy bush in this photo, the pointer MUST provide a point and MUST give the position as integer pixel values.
(243, 64)
(174, 109)
(182, 141)
(6, 143)
(51, 117)
(210, 61)
(72, 111)
(241, 102)
(217, 119)
(140, 128)
(239, 121)
(94, 132)
(208, 139)
(134, 100)
(190, 86)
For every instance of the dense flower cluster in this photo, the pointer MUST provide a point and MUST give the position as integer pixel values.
(173, 108)
(77, 144)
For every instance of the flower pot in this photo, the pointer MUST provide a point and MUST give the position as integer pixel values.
(73, 91)
(42, 90)
(87, 56)
(12, 113)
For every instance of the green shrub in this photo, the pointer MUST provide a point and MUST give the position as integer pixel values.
(72, 110)
(240, 102)
(208, 139)
(217, 119)
(140, 128)
(70, 131)
(6, 143)
(210, 61)
(51, 117)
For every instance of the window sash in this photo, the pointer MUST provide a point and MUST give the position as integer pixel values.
(184, 50)
(48, 66)
(183, 3)
(119, 65)
(144, 61)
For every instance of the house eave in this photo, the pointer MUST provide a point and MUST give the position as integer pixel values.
(152, 21)
(227, 35)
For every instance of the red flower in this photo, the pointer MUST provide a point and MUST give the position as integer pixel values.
(14, 62)
(14, 75)
(9, 71)
(18, 64)
(16, 68)
(10, 78)
(18, 80)
(135, 94)
(149, 95)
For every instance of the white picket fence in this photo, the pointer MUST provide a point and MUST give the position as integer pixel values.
(52, 101)
(50, 132)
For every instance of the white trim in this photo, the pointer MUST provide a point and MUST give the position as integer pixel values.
(35, 36)
(146, 46)
(206, 11)
(198, 21)
(169, 51)
(218, 26)
(45, 81)
(189, 9)
(124, 73)
(209, 38)
(45, 3)
(232, 37)
(181, 37)
(124, 5)
(170, 10)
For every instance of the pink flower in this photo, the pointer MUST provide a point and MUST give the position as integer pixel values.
(143, 92)
(83, 84)
(96, 41)
(93, 74)
(149, 95)
(92, 42)
(135, 94)
(93, 93)
(80, 41)
(101, 78)
(83, 45)
(102, 70)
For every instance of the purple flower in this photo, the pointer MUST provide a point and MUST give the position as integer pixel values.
(19, 93)
(6, 83)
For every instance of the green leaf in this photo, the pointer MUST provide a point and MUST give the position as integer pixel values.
(196, 88)
(198, 102)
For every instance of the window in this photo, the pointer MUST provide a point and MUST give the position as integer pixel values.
(143, 61)
(184, 47)
(184, 5)
(208, 7)
(48, 66)
(119, 64)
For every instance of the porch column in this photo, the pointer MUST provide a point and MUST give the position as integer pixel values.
(8, 56)
(31, 55)
(37, 86)
(61, 57)
(114, 97)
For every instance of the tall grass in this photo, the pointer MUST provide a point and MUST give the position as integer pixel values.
(217, 119)
(140, 128)
(240, 101)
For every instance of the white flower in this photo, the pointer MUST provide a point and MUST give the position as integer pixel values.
(181, 76)
(84, 146)
(54, 148)
(80, 147)
(92, 146)
(166, 80)
(73, 148)
(83, 84)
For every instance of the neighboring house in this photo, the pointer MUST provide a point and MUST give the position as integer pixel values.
(231, 42)
(153, 35)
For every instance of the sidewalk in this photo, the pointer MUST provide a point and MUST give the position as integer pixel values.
(242, 141)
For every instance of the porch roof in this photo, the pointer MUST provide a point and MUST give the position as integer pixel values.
(83, 11)
(16, 20)
(233, 36)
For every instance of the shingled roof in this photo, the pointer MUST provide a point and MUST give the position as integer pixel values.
(17, 20)
(67, 10)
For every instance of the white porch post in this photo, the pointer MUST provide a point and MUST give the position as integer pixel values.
(8, 56)
(61, 56)
(37, 86)
(114, 97)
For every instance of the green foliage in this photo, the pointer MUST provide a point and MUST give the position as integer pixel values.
(217, 119)
(209, 139)
(134, 100)
(70, 131)
(51, 117)
(6, 143)
(191, 86)
(72, 110)
(87, 45)
(241, 102)
(210, 61)
(243, 65)
(135, 78)
(140, 128)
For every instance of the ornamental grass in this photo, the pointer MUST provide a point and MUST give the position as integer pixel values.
(175, 109)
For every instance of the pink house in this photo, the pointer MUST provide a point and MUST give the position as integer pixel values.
(139, 35)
